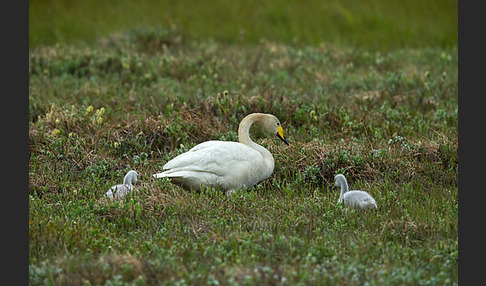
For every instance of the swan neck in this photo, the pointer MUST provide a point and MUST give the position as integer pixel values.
(128, 180)
(244, 128)
(244, 137)
(344, 186)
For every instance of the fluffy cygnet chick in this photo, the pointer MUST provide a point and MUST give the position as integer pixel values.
(353, 199)
(120, 190)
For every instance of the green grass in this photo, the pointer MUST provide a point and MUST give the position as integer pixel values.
(387, 120)
(373, 24)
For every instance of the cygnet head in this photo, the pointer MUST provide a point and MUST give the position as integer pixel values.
(130, 178)
(339, 179)
(272, 124)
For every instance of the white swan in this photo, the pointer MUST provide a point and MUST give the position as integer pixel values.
(223, 164)
(358, 199)
(120, 190)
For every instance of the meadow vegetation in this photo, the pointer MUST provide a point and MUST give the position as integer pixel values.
(134, 100)
(371, 24)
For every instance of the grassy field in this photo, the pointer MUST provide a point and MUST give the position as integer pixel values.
(372, 24)
(135, 99)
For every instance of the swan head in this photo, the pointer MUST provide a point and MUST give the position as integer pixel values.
(338, 179)
(272, 124)
(130, 177)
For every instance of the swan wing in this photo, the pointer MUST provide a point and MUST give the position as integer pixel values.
(213, 157)
(118, 191)
(216, 163)
(359, 199)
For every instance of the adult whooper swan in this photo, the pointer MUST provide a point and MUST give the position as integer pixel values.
(224, 164)
(353, 199)
(120, 190)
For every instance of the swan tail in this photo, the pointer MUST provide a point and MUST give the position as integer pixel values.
(165, 175)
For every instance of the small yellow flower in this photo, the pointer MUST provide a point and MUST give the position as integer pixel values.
(100, 112)
(56, 132)
(58, 121)
(312, 115)
(125, 64)
(70, 134)
(99, 120)
(116, 145)
(89, 109)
